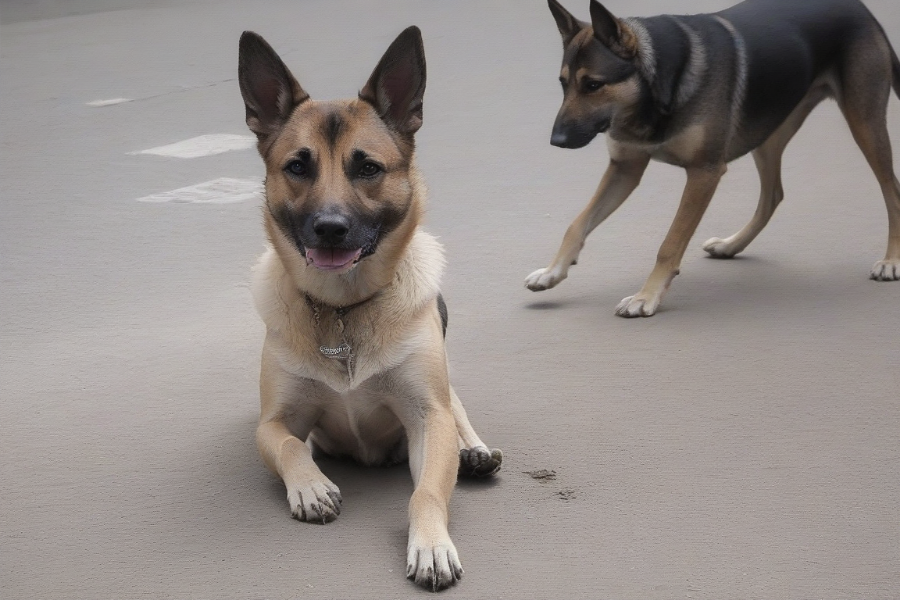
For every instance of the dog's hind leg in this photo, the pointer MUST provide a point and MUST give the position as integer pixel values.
(701, 185)
(768, 163)
(866, 89)
(475, 459)
(620, 179)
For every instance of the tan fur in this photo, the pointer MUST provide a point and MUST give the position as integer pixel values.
(391, 400)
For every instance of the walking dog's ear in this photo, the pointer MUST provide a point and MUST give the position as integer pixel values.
(397, 85)
(611, 32)
(270, 91)
(568, 25)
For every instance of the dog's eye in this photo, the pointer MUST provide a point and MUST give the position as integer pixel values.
(296, 167)
(592, 85)
(369, 170)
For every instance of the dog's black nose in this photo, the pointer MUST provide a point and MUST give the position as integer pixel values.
(559, 139)
(331, 228)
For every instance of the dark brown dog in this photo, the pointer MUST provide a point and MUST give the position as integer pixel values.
(700, 91)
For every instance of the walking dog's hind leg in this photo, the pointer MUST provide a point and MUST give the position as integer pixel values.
(866, 90)
(768, 162)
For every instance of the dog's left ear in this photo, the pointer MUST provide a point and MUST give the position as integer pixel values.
(611, 32)
(397, 85)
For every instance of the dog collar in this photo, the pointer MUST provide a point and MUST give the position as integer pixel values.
(343, 351)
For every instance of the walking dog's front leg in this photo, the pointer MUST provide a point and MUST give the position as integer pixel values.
(432, 560)
(701, 185)
(620, 179)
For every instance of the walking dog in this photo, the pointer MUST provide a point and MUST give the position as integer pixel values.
(354, 362)
(700, 91)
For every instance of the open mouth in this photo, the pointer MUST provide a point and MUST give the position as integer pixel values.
(332, 259)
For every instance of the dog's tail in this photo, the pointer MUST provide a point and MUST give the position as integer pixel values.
(895, 63)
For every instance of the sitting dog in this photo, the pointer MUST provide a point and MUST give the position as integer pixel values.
(354, 362)
(700, 91)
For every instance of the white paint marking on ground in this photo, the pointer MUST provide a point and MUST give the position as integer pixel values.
(108, 102)
(224, 190)
(204, 145)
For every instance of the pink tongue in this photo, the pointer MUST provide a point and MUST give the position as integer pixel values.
(331, 257)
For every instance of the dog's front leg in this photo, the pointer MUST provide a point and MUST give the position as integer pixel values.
(311, 495)
(432, 560)
(701, 185)
(621, 177)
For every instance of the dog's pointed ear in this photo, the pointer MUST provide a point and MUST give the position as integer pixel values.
(270, 91)
(568, 25)
(612, 32)
(606, 26)
(397, 85)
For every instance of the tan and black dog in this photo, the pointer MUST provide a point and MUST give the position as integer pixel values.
(700, 91)
(354, 362)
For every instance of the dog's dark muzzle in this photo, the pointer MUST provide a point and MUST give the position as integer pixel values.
(330, 229)
(574, 135)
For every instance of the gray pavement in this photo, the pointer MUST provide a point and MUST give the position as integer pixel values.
(743, 443)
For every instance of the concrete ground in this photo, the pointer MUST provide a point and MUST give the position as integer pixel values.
(743, 443)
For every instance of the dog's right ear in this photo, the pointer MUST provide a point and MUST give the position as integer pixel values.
(270, 91)
(568, 25)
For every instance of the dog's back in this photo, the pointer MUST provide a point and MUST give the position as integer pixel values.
(799, 43)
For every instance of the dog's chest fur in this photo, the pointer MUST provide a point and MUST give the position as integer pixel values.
(381, 332)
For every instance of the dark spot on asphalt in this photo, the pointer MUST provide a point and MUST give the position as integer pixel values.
(542, 475)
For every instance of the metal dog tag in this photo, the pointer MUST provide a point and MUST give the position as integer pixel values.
(342, 352)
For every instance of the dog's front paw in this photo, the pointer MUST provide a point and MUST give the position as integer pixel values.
(886, 270)
(433, 566)
(638, 306)
(719, 248)
(479, 461)
(543, 279)
(316, 501)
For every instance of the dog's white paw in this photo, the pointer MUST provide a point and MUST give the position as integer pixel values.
(315, 501)
(433, 566)
(479, 461)
(543, 279)
(719, 248)
(638, 306)
(886, 270)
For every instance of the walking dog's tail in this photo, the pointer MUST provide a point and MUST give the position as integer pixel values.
(895, 64)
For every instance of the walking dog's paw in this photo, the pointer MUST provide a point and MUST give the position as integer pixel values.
(433, 566)
(543, 279)
(638, 306)
(886, 270)
(719, 248)
(315, 501)
(479, 461)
